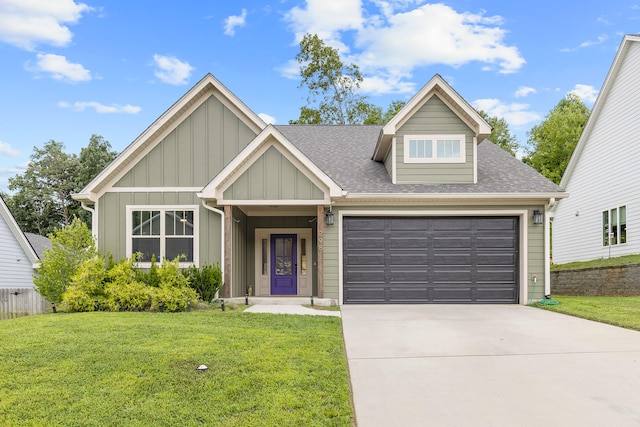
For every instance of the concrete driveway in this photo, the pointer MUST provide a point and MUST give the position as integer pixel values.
(488, 365)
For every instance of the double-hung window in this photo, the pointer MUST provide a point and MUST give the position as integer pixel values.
(614, 226)
(434, 148)
(163, 232)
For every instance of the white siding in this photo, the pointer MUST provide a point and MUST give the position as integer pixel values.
(606, 175)
(16, 269)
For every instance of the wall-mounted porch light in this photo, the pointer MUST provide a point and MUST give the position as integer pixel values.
(537, 217)
(328, 217)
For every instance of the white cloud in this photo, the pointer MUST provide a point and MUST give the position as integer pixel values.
(27, 23)
(585, 92)
(234, 21)
(601, 39)
(60, 68)
(8, 150)
(290, 70)
(101, 108)
(267, 118)
(404, 35)
(326, 18)
(171, 70)
(437, 34)
(515, 114)
(524, 91)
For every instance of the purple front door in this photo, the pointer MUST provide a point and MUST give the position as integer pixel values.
(284, 267)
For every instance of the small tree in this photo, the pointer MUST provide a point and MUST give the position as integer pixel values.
(71, 246)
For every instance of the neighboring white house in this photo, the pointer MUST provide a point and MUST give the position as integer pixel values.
(18, 261)
(601, 218)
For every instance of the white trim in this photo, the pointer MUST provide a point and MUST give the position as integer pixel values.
(523, 240)
(276, 202)
(196, 231)
(153, 190)
(19, 235)
(301, 233)
(394, 158)
(454, 196)
(269, 137)
(475, 160)
(166, 123)
(434, 140)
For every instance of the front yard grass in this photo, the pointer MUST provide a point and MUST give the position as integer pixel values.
(139, 369)
(619, 311)
(600, 262)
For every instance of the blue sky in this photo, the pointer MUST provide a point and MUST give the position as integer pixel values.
(71, 69)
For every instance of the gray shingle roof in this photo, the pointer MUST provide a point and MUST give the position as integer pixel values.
(38, 243)
(344, 153)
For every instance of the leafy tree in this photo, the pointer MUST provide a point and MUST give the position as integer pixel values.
(43, 198)
(71, 246)
(500, 134)
(552, 142)
(334, 88)
(42, 194)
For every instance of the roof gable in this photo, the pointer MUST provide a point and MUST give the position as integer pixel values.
(268, 138)
(616, 66)
(165, 124)
(437, 86)
(17, 233)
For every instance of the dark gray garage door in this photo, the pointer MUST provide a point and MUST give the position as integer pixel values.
(430, 260)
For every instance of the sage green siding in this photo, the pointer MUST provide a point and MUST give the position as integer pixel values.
(193, 153)
(273, 177)
(239, 253)
(112, 222)
(535, 244)
(434, 118)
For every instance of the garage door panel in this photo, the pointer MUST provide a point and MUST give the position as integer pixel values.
(365, 243)
(443, 242)
(496, 242)
(430, 260)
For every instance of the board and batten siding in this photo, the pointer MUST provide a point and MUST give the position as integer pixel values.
(606, 174)
(112, 221)
(15, 265)
(193, 153)
(535, 243)
(273, 177)
(435, 118)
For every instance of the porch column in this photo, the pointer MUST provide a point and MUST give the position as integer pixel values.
(228, 239)
(320, 223)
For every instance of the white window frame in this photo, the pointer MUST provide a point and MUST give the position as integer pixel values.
(434, 153)
(163, 208)
(614, 238)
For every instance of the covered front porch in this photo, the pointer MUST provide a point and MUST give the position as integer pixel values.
(274, 252)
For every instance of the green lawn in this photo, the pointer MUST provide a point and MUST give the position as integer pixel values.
(619, 311)
(600, 262)
(139, 369)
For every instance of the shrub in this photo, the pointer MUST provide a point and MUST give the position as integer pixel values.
(174, 290)
(206, 281)
(87, 286)
(128, 296)
(70, 247)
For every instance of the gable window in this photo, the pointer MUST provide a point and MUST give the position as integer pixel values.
(166, 232)
(434, 149)
(614, 226)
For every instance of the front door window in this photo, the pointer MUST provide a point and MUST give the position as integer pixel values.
(283, 264)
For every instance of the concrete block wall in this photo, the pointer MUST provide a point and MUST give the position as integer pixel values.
(623, 280)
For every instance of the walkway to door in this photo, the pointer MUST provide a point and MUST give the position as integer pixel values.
(481, 365)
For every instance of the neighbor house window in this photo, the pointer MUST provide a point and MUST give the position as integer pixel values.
(614, 226)
(163, 233)
(434, 148)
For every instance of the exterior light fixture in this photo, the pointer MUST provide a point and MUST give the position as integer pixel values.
(537, 217)
(328, 217)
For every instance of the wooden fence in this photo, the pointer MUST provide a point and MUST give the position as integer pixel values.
(16, 302)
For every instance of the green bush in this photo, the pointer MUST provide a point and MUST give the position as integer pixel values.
(128, 296)
(70, 247)
(174, 290)
(87, 286)
(206, 281)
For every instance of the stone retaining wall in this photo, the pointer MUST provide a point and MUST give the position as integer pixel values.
(623, 280)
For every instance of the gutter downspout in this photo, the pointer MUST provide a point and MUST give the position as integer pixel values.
(547, 247)
(221, 213)
(94, 223)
